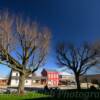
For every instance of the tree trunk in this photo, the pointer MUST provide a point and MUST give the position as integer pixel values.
(21, 84)
(77, 82)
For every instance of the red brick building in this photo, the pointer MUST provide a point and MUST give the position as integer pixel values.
(52, 77)
(3, 81)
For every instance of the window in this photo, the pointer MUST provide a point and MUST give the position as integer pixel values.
(37, 81)
(26, 81)
(16, 74)
(49, 75)
(54, 82)
(54, 75)
(16, 80)
(60, 76)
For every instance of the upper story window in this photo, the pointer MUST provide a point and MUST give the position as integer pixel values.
(54, 75)
(49, 75)
(16, 74)
(26, 81)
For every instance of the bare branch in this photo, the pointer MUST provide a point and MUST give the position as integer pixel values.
(29, 39)
(78, 60)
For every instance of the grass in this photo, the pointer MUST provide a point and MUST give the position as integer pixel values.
(58, 96)
(28, 96)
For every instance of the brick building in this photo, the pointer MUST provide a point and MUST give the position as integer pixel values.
(52, 77)
(3, 81)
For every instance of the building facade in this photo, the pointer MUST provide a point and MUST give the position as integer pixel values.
(90, 78)
(52, 77)
(3, 81)
(66, 78)
(15, 79)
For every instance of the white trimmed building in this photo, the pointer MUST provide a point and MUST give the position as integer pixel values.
(14, 80)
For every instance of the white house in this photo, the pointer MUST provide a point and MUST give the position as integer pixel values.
(66, 76)
(15, 79)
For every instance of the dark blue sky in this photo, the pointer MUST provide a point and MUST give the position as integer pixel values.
(70, 20)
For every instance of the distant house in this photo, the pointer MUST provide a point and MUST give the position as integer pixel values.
(3, 81)
(39, 80)
(52, 77)
(14, 79)
(66, 78)
(90, 78)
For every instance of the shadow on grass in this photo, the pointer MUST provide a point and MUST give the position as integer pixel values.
(43, 98)
(51, 98)
(83, 94)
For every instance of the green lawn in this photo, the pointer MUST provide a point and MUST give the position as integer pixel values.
(28, 96)
(62, 95)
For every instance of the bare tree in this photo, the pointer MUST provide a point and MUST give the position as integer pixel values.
(79, 60)
(24, 45)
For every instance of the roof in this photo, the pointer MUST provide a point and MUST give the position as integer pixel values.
(51, 70)
(65, 73)
(17, 77)
(3, 78)
(34, 77)
(95, 75)
(38, 77)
